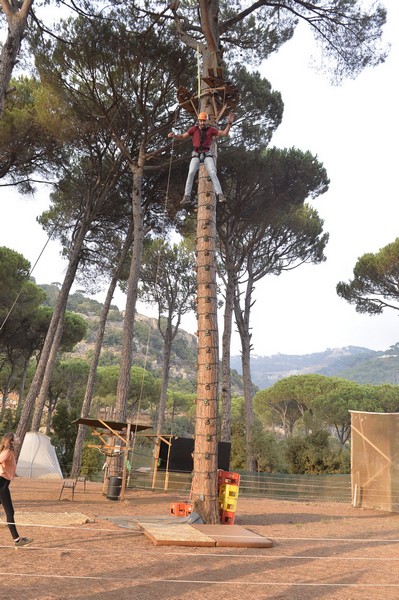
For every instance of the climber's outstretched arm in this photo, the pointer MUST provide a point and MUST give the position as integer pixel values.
(226, 130)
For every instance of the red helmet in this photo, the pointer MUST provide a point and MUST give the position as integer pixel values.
(203, 116)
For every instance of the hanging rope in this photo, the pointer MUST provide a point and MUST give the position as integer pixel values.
(156, 281)
(199, 76)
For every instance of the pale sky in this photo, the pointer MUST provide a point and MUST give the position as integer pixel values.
(353, 129)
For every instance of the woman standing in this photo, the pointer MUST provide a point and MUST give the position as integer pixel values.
(8, 466)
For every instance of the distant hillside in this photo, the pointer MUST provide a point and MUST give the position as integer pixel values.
(352, 362)
(147, 342)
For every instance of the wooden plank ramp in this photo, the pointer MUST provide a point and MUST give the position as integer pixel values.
(167, 533)
(234, 536)
(175, 534)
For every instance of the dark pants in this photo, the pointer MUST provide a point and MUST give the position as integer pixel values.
(5, 500)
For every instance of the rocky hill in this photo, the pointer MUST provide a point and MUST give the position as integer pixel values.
(147, 342)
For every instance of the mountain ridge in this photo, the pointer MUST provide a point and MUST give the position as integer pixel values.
(355, 363)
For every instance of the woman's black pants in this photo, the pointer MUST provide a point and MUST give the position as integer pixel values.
(5, 500)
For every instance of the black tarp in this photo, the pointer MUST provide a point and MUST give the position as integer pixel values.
(181, 458)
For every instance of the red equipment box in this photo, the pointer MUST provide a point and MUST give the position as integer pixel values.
(180, 509)
(227, 517)
(227, 477)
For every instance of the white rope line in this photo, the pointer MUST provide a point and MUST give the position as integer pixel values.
(201, 582)
(295, 539)
(287, 556)
(313, 539)
(191, 555)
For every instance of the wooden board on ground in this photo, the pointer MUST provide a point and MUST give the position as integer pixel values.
(234, 536)
(175, 534)
(172, 533)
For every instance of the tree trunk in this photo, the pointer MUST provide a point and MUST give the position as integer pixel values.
(250, 464)
(42, 397)
(167, 349)
(48, 421)
(22, 386)
(5, 392)
(242, 320)
(91, 381)
(49, 417)
(16, 21)
(3, 402)
(122, 393)
(205, 483)
(45, 365)
(226, 355)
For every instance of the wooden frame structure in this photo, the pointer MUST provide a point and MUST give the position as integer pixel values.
(374, 460)
(223, 95)
(122, 432)
(116, 431)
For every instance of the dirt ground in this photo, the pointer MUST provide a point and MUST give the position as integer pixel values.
(321, 551)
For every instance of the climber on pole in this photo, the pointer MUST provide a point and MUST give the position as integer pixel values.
(202, 137)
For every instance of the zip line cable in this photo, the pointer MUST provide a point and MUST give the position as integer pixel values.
(43, 249)
(30, 273)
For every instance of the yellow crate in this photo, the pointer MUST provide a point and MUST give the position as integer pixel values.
(228, 491)
(227, 505)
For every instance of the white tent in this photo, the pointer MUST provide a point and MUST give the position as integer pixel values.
(37, 458)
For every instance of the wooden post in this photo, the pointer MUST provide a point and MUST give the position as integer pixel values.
(166, 484)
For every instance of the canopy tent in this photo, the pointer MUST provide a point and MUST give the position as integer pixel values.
(37, 459)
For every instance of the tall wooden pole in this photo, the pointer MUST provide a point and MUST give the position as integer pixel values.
(205, 484)
(204, 487)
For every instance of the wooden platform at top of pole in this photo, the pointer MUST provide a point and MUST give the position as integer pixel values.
(224, 95)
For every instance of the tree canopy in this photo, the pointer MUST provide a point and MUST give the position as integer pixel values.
(317, 401)
(114, 70)
(375, 285)
(348, 31)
